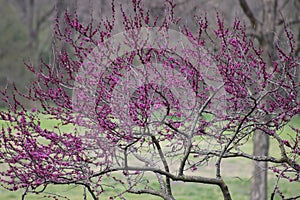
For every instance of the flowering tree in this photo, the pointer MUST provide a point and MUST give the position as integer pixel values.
(149, 100)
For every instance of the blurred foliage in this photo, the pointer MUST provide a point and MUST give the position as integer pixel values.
(15, 46)
(13, 42)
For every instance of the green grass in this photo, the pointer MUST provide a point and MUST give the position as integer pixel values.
(239, 188)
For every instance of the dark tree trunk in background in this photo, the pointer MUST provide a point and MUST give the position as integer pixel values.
(260, 178)
(265, 30)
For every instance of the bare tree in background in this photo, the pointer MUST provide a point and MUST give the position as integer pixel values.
(36, 15)
(27, 30)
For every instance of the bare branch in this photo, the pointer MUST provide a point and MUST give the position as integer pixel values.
(248, 12)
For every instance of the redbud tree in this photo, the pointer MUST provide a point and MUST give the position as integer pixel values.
(154, 101)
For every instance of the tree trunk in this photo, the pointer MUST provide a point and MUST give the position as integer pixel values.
(259, 180)
(266, 30)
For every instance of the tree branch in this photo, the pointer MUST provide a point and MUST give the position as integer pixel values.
(162, 157)
(44, 18)
(245, 7)
(148, 191)
(183, 178)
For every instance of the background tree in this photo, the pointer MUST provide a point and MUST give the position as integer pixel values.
(26, 33)
(27, 36)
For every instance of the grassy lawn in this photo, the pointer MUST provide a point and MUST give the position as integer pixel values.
(237, 175)
(240, 189)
